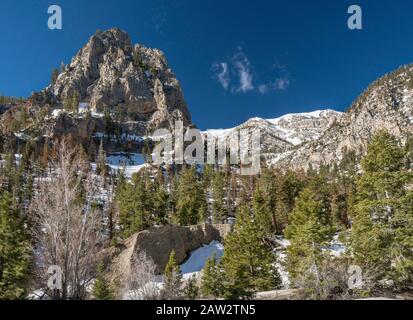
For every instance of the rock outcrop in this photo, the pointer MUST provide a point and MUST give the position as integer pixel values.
(158, 243)
(386, 104)
(109, 74)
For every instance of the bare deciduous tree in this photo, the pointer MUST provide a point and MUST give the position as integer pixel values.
(142, 284)
(67, 228)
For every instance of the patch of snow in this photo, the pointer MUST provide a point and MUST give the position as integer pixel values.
(129, 163)
(199, 257)
(336, 248)
(56, 112)
(97, 114)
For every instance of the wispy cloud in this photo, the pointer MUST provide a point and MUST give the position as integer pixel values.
(279, 84)
(282, 82)
(222, 74)
(238, 76)
(243, 68)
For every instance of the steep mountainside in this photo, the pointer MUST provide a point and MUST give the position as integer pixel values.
(386, 104)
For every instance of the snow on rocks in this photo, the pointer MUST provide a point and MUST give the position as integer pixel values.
(198, 258)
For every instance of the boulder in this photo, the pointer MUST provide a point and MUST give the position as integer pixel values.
(158, 243)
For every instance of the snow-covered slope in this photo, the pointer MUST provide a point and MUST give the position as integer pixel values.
(280, 136)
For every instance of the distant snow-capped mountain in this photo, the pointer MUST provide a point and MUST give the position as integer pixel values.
(280, 136)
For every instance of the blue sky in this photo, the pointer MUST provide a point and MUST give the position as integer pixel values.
(278, 56)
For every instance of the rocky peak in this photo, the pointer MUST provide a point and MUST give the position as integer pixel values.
(386, 104)
(109, 74)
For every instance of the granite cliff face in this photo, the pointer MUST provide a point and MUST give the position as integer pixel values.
(110, 74)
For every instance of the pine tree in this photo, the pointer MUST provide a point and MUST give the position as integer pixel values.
(172, 288)
(262, 212)
(307, 234)
(211, 283)
(190, 198)
(71, 103)
(101, 166)
(382, 233)
(102, 290)
(134, 205)
(218, 193)
(14, 251)
(265, 202)
(160, 205)
(191, 289)
(55, 75)
(288, 189)
(248, 262)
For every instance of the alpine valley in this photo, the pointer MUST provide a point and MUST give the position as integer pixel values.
(80, 194)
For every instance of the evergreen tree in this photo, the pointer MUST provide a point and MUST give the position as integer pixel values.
(211, 283)
(14, 251)
(134, 205)
(307, 233)
(218, 194)
(172, 288)
(102, 289)
(71, 103)
(191, 290)
(288, 189)
(262, 212)
(55, 75)
(160, 205)
(101, 167)
(382, 233)
(190, 198)
(248, 262)
(265, 202)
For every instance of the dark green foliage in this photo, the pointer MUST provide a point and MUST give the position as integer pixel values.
(218, 193)
(134, 205)
(248, 264)
(382, 233)
(308, 230)
(102, 289)
(212, 277)
(14, 251)
(190, 198)
(191, 289)
(172, 288)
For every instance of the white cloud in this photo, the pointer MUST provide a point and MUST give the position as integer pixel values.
(237, 75)
(222, 73)
(243, 68)
(282, 83)
(278, 85)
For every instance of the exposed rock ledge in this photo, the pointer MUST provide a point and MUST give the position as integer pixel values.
(158, 243)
